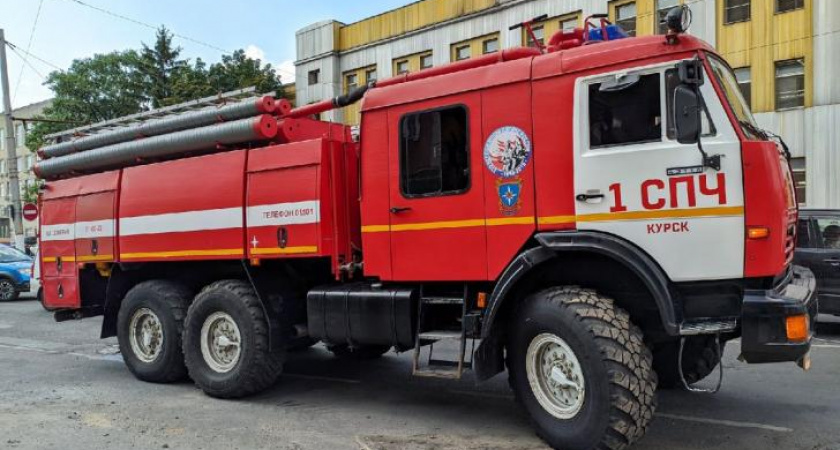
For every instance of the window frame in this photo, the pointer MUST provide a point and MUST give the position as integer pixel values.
(727, 8)
(458, 49)
(317, 76)
(487, 41)
(747, 96)
(430, 57)
(800, 171)
(401, 155)
(399, 63)
(586, 120)
(635, 17)
(795, 7)
(776, 77)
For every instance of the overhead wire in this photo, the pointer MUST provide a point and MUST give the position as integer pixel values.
(28, 47)
(26, 63)
(35, 57)
(148, 25)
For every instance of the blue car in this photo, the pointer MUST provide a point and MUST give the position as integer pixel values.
(15, 273)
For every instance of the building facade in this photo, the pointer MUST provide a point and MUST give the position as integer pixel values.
(784, 52)
(25, 161)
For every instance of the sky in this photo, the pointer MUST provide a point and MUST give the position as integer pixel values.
(66, 30)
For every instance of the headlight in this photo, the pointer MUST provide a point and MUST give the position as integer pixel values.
(27, 272)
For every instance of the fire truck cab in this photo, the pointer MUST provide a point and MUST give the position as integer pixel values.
(602, 218)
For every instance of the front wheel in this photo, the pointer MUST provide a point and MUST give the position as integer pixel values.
(8, 290)
(226, 342)
(581, 370)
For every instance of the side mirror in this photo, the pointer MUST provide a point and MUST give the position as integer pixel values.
(686, 114)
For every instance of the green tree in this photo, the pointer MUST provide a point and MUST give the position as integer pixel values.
(160, 67)
(237, 71)
(94, 89)
(118, 84)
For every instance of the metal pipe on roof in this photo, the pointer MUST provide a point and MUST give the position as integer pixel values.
(201, 118)
(260, 128)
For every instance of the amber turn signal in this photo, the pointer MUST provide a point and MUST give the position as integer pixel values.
(758, 232)
(797, 328)
(481, 301)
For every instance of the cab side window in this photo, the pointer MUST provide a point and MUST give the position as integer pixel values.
(434, 152)
(626, 110)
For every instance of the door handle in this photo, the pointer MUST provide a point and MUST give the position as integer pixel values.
(397, 210)
(282, 237)
(94, 247)
(593, 195)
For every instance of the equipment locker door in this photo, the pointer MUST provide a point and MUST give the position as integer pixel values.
(634, 180)
(95, 230)
(58, 253)
(437, 217)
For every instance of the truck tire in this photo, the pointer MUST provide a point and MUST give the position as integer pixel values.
(359, 353)
(149, 327)
(581, 370)
(700, 359)
(226, 342)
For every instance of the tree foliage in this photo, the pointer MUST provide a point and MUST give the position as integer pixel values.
(108, 86)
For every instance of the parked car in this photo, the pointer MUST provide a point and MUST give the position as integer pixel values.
(819, 250)
(35, 280)
(15, 273)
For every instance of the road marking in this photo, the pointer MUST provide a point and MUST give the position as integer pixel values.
(728, 423)
(319, 378)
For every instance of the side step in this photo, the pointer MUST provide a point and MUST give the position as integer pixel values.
(440, 368)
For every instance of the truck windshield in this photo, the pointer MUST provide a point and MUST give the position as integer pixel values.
(736, 100)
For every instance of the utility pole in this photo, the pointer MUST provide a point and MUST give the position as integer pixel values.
(11, 146)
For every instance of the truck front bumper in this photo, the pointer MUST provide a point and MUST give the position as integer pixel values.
(765, 314)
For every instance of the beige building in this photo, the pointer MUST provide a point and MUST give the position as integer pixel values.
(25, 161)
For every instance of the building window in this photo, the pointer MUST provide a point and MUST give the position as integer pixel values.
(20, 135)
(797, 165)
(426, 62)
(736, 11)
(314, 77)
(462, 52)
(569, 24)
(789, 5)
(370, 76)
(790, 84)
(625, 17)
(627, 111)
(402, 67)
(3, 139)
(539, 33)
(743, 76)
(662, 8)
(434, 153)
(490, 46)
(3, 166)
(351, 81)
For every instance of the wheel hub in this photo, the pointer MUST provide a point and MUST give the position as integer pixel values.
(145, 335)
(7, 290)
(220, 342)
(555, 376)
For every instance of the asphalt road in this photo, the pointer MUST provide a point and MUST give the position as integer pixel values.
(62, 387)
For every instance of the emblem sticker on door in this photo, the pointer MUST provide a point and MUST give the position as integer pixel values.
(510, 191)
(507, 152)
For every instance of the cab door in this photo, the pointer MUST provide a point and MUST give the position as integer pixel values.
(437, 218)
(634, 180)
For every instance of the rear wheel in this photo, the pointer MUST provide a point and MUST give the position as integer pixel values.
(581, 370)
(226, 342)
(149, 327)
(700, 358)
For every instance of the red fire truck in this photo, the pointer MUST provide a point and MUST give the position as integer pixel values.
(602, 214)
